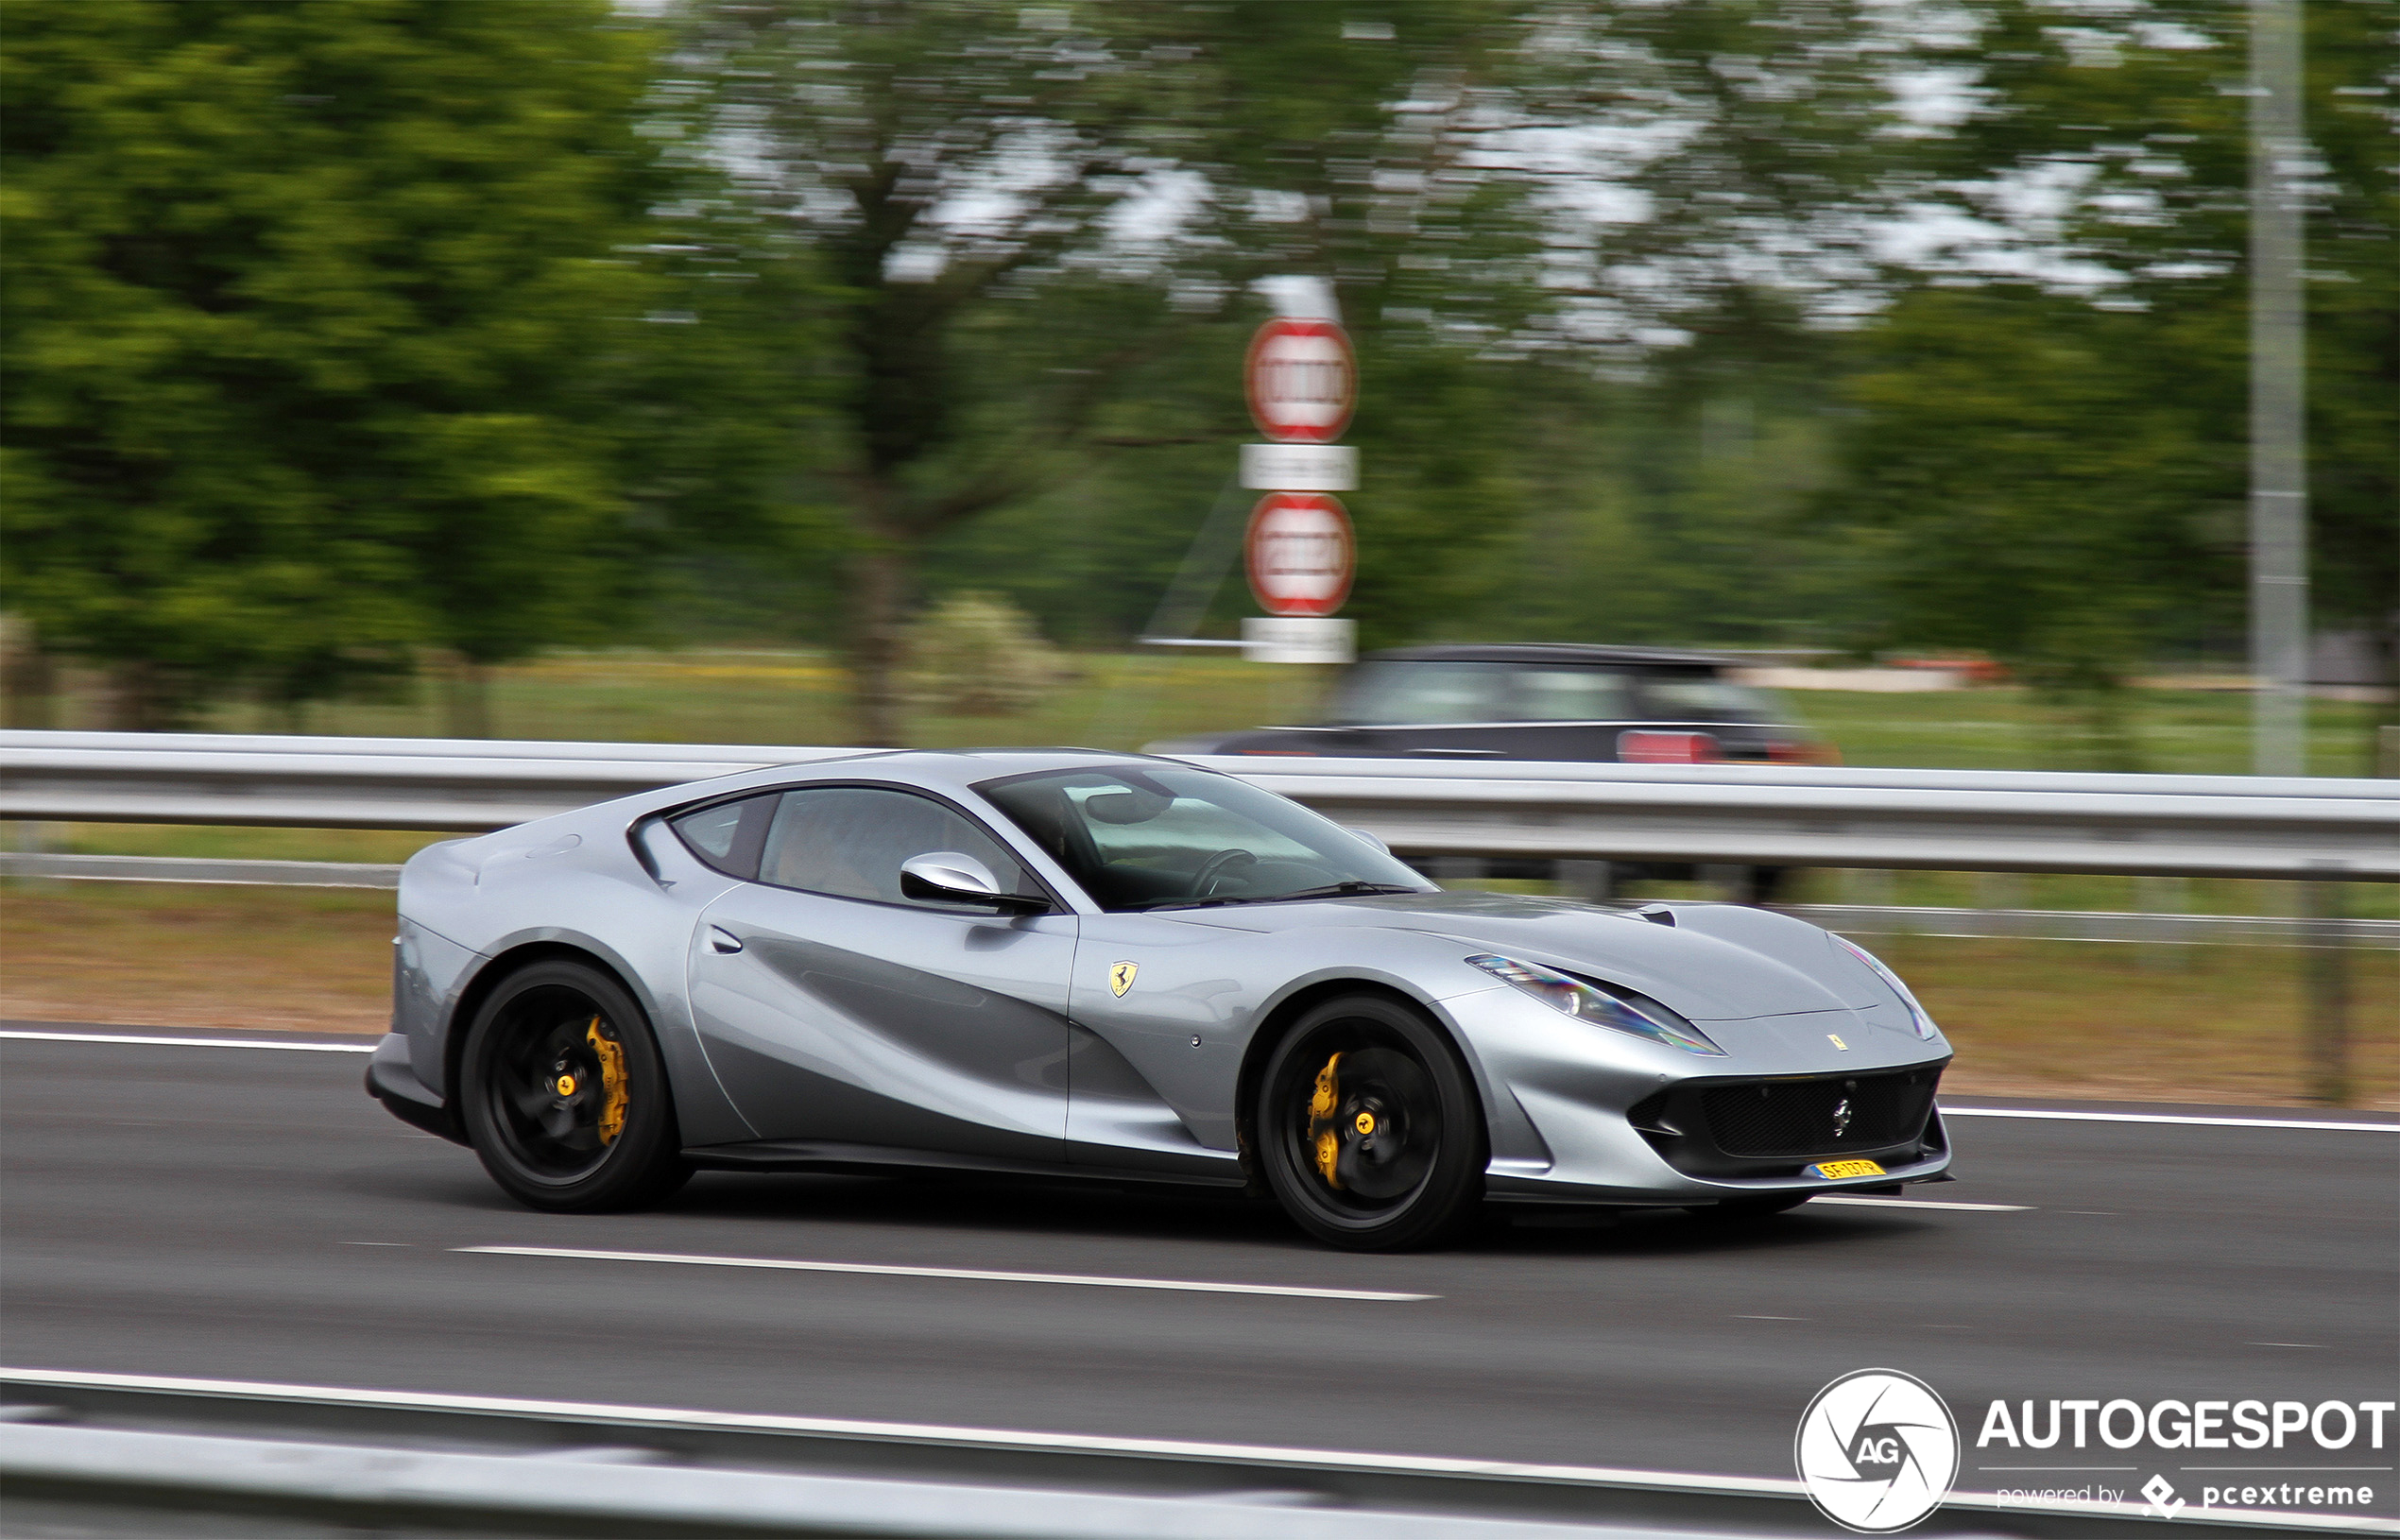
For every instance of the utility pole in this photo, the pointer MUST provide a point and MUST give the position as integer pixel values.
(2278, 395)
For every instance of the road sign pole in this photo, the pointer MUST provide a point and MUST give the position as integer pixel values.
(2278, 362)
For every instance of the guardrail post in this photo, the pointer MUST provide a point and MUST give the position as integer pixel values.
(2326, 988)
(1593, 882)
(2159, 953)
(36, 839)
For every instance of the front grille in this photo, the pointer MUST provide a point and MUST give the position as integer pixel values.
(1819, 1117)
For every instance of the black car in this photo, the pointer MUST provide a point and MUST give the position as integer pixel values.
(1625, 705)
(1534, 701)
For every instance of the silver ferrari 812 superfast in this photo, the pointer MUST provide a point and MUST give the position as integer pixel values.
(1064, 962)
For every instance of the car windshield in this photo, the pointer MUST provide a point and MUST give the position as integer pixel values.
(1156, 837)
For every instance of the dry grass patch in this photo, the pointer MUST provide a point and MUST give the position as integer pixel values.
(2100, 1021)
(170, 955)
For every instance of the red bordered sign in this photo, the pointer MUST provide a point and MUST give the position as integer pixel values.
(1302, 381)
(1300, 554)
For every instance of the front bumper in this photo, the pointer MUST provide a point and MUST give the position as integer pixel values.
(1581, 1115)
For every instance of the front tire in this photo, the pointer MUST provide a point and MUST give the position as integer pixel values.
(1369, 1127)
(565, 1096)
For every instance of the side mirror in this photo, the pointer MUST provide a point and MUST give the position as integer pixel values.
(948, 877)
(1376, 840)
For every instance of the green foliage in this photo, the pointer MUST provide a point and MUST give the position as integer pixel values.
(2074, 461)
(2038, 488)
(308, 304)
(975, 655)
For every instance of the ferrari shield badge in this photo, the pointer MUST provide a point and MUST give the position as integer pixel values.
(1121, 977)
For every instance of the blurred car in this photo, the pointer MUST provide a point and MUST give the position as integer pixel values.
(1068, 963)
(1534, 701)
(1547, 701)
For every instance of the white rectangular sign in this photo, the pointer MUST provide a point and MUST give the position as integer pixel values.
(1300, 468)
(1298, 638)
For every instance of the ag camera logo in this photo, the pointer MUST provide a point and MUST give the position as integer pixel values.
(1876, 1451)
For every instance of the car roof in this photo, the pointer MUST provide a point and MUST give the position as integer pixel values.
(1545, 652)
(964, 768)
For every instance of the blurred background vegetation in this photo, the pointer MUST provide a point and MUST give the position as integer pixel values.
(660, 371)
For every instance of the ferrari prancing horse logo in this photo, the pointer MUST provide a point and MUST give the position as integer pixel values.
(1121, 977)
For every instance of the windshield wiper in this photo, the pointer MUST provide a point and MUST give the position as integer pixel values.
(1350, 889)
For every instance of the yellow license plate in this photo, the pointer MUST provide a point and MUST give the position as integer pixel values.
(1833, 1170)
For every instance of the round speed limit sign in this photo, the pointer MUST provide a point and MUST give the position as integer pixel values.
(1299, 554)
(1301, 380)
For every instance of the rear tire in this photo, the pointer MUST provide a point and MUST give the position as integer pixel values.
(1369, 1128)
(564, 1094)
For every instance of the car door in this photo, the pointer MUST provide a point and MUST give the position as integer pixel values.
(838, 1012)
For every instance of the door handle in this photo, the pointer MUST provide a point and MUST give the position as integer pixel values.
(722, 940)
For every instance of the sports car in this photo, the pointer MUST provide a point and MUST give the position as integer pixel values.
(1065, 963)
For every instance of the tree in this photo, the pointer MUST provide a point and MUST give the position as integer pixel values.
(1027, 212)
(2052, 433)
(311, 308)
(1046, 222)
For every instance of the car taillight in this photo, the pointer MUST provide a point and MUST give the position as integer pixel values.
(1644, 747)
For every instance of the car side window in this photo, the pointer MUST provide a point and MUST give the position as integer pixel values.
(849, 842)
(726, 836)
(1391, 692)
(1570, 694)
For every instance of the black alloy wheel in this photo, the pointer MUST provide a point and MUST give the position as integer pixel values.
(1369, 1128)
(565, 1096)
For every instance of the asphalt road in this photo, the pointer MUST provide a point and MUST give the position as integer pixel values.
(247, 1214)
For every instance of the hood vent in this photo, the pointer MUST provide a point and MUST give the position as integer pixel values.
(1658, 916)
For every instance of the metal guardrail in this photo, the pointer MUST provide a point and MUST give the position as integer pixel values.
(517, 1465)
(1939, 820)
(1761, 814)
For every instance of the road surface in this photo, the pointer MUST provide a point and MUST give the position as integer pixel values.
(250, 1214)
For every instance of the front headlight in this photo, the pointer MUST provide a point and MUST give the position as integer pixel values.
(1919, 1022)
(1591, 1004)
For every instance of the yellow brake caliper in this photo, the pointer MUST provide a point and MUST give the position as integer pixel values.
(1321, 1109)
(613, 1087)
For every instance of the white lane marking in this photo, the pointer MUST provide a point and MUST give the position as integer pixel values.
(189, 1042)
(2165, 1117)
(1925, 1202)
(1001, 1438)
(975, 1274)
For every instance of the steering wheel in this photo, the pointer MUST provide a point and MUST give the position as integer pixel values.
(1216, 868)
